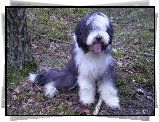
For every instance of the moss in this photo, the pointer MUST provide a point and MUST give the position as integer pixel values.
(145, 35)
(120, 83)
(30, 66)
(29, 25)
(142, 66)
(116, 54)
(38, 99)
(68, 110)
(126, 90)
(15, 75)
(53, 112)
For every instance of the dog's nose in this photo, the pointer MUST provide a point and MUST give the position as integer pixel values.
(98, 38)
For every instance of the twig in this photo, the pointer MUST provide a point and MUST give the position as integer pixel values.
(60, 41)
(146, 54)
(38, 88)
(97, 108)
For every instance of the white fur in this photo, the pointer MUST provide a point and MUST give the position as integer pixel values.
(91, 67)
(50, 90)
(108, 94)
(86, 90)
(98, 22)
(32, 77)
(93, 34)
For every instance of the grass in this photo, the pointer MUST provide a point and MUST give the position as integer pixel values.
(133, 37)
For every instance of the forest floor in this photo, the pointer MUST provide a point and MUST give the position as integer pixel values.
(133, 49)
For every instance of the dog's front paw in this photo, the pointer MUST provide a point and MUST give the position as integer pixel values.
(86, 96)
(87, 101)
(112, 102)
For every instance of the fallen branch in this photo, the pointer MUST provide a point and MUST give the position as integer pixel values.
(97, 108)
(39, 88)
(147, 54)
(60, 41)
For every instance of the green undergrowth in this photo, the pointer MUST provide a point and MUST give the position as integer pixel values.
(116, 54)
(15, 75)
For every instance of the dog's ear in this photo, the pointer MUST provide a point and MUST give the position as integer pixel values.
(81, 35)
(77, 28)
(78, 33)
(110, 31)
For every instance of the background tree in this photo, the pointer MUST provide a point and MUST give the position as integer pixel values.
(19, 54)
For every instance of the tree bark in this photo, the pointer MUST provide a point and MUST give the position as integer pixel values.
(18, 43)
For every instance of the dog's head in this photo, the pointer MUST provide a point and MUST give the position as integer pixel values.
(94, 32)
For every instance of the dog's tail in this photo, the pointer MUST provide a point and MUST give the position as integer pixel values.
(54, 80)
(44, 77)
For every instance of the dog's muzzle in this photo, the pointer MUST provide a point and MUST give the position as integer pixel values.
(98, 44)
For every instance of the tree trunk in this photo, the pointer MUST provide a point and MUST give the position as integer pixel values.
(18, 42)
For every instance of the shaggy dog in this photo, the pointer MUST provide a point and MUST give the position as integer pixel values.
(91, 65)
